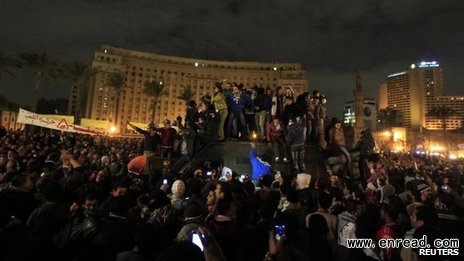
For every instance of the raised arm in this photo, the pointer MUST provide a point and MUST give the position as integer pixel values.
(139, 130)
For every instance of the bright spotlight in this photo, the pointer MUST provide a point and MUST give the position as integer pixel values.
(112, 129)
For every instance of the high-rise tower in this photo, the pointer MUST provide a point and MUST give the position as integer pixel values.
(413, 92)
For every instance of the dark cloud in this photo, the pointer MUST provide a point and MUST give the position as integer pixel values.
(330, 38)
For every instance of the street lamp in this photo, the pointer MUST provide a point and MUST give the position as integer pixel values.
(112, 130)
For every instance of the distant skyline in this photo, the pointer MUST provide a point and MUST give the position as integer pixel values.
(330, 38)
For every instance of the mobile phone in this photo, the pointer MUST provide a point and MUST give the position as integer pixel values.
(243, 177)
(208, 173)
(195, 239)
(165, 181)
(279, 231)
(444, 187)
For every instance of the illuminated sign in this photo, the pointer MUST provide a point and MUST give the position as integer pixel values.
(428, 64)
(396, 74)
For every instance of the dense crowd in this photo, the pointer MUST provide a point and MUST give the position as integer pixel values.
(234, 112)
(75, 197)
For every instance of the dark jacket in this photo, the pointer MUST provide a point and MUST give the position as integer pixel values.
(192, 116)
(17, 203)
(291, 110)
(48, 220)
(266, 102)
(366, 143)
(150, 142)
(296, 134)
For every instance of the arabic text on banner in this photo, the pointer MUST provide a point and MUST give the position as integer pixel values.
(35, 119)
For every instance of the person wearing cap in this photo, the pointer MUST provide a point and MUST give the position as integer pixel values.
(425, 192)
(168, 136)
(220, 104)
(152, 138)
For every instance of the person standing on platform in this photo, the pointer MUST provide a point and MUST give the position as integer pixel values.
(296, 141)
(321, 115)
(168, 136)
(152, 138)
(276, 136)
(337, 138)
(220, 104)
(237, 123)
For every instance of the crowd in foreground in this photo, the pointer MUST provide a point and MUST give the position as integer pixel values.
(73, 197)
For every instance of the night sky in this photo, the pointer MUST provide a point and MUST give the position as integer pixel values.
(329, 37)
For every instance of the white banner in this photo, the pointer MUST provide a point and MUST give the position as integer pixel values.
(40, 120)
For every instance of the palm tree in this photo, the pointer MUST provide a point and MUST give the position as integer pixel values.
(187, 94)
(116, 80)
(7, 64)
(81, 74)
(443, 112)
(46, 70)
(155, 90)
(388, 118)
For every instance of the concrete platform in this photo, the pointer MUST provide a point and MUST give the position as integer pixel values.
(234, 155)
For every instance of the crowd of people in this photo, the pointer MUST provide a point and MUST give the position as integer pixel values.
(66, 196)
(233, 112)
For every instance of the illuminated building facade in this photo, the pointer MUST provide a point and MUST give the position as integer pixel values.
(413, 92)
(369, 111)
(8, 119)
(383, 96)
(175, 73)
(454, 121)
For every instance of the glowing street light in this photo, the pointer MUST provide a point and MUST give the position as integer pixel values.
(436, 147)
(254, 136)
(387, 134)
(112, 129)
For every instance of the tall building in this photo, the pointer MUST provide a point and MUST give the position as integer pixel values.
(369, 112)
(175, 73)
(412, 92)
(78, 98)
(383, 96)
